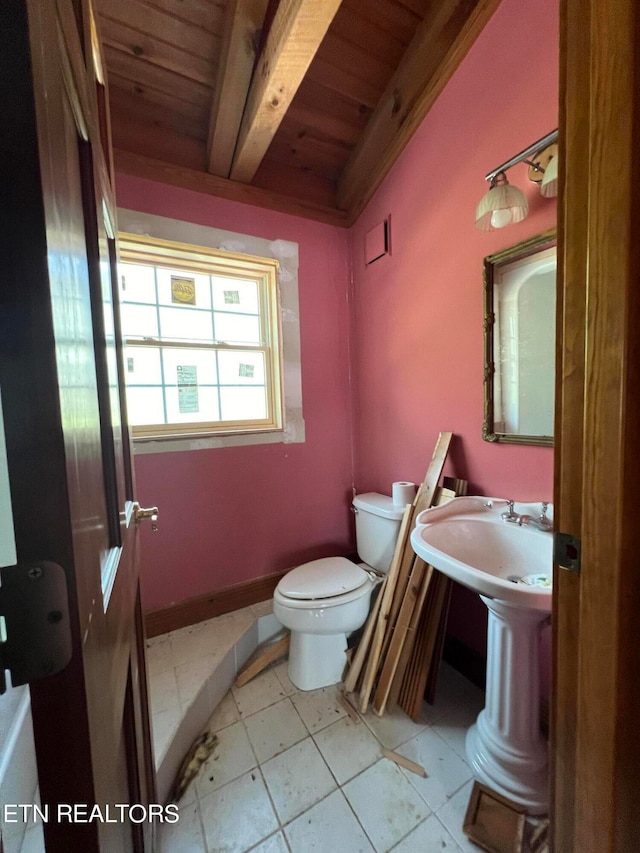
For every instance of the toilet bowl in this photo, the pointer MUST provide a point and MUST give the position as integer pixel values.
(324, 601)
(320, 624)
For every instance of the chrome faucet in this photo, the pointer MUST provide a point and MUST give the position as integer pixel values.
(541, 523)
(510, 515)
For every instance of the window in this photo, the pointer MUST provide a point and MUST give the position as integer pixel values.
(201, 329)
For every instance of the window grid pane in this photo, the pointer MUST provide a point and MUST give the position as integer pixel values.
(199, 384)
(181, 384)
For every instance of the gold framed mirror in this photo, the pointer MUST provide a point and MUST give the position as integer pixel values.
(519, 342)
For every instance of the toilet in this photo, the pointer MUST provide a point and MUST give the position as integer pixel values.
(324, 601)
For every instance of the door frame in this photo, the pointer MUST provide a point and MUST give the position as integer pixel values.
(50, 57)
(596, 692)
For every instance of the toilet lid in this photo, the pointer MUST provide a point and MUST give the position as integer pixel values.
(322, 579)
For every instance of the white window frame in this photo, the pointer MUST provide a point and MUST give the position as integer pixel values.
(167, 254)
(292, 428)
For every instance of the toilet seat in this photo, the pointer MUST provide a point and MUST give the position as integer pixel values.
(323, 578)
(333, 581)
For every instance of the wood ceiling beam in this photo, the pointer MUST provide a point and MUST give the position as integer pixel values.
(296, 32)
(237, 59)
(141, 166)
(440, 44)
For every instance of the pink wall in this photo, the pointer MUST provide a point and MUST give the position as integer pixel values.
(418, 323)
(415, 325)
(231, 514)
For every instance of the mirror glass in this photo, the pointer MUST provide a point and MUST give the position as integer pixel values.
(520, 340)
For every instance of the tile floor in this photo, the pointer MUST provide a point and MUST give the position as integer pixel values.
(180, 662)
(293, 774)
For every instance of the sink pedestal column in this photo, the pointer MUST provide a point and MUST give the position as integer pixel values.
(505, 747)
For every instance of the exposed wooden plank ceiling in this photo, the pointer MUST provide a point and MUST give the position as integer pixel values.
(298, 105)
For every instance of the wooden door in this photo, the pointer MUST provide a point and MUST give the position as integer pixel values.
(596, 702)
(67, 441)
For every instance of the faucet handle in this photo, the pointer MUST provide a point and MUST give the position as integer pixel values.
(543, 513)
(509, 514)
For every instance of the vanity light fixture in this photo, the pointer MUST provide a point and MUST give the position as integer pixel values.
(504, 203)
(549, 183)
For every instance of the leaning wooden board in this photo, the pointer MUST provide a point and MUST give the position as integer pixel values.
(401, 645)
(434, 642)
(378, 633)
(383, 616)
(400, 630)
(359, 658)
(411, 698)
(423, 499)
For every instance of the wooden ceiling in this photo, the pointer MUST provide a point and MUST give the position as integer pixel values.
(298, 105)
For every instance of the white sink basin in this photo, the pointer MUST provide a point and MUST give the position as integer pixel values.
(468, 540)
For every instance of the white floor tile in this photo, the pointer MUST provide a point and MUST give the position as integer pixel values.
(159, 657)
(452, 815)
(429, 837)
(453, 692)
(446, 771)
(386, 805)
(394, 728)
(274, 844)
(225, 714)
(348, 748)
(258, 693)
(164, 726)
(231, 758)
(245, 646)
(318, 708)
(238, 816)
(328, 827)
(225, 631)
(163, 691)
(282, 672)
(274, 729)
(190, 643)
(185, 836)
(191, 675)
(453, 726)
(297, 779)
(266, 723)
(262, 608)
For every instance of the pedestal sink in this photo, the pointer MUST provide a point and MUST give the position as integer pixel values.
(508, 561)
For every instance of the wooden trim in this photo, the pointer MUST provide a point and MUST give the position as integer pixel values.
(244, 18)
(212, 604)
(201, 182)
(597, 706)
(424, 71)
(544, 717)
(294, 37)
(573, 218)
(73, 68)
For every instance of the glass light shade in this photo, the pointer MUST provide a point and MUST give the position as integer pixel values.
(549, 185)
(503, 205)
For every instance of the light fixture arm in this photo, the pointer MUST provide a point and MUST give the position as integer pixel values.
(549, 139)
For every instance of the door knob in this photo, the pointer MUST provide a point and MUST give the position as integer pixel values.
(141, 513)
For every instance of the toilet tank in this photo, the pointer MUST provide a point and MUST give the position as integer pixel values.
(377, 525)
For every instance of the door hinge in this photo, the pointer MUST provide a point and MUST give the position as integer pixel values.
(566, 551)
(35, 632)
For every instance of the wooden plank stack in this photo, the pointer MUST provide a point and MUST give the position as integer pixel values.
(399, 654)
